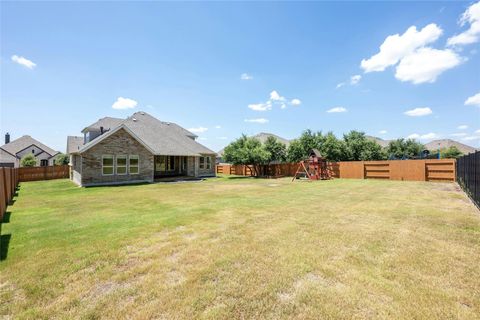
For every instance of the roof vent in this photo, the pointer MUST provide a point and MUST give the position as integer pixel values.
(142, 113)
(134, 119)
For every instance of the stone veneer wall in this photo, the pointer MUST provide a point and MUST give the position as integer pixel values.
(120, 143)
(207, 172)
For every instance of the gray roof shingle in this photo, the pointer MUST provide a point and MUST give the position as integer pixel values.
(162, 138)
(107, 123)
(74, 143)
(26, 141)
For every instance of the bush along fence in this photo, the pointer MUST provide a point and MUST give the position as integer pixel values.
(9, 179)
(468, 175)
(408, 170)
(43, 173)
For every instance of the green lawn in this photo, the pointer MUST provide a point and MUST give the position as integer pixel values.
(242, 248)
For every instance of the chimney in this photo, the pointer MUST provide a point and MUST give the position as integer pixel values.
(101, 130)
(7, 138)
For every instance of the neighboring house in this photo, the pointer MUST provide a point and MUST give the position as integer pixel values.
(262, 137)
(140, 148)
(12, 152)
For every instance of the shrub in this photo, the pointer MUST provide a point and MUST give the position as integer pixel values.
(28, 160)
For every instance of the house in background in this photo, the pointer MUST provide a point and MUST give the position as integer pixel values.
(12, 152)
(140, 148)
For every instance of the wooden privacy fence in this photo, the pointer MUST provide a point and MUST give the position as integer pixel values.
(43, 173)
(411, 170)
(9, 179)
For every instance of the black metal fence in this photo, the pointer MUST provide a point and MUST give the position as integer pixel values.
(468, 175)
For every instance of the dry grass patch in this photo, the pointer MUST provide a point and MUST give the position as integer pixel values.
(243, 248)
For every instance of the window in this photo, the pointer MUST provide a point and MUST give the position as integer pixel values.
(202, 162)
(107, 165)
(33, 150)
(44, 163)
(121, 165)
(133, 164)
(170, 163)
(209, 162)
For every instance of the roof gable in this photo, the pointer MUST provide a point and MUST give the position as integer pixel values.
(24, 142)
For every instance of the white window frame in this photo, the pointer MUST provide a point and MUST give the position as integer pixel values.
(201, 163)
(126, 164)
(134, 156)
(108, 156)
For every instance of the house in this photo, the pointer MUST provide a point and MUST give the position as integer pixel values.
(138, 149)
(12, 152)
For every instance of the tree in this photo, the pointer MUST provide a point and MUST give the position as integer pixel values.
(332, 148)
(450, 152)
(28, 160)
(401, 148)
(299, 148)
(277, 150)
(61, 159)
(247, 151)
(358, 147)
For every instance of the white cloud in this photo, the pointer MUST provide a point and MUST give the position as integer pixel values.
(418, 112)
(355, 79)
(246, 76)
(257, 120)
(427, 136)
(23, 61)
(275, 100)
(462, 127)
(396, 47)
(202, 138)
(382, 131)
(471, 138)
(337, 109)
(275, 96)
(459, 134)
(477, 131)
(261, 106)
(473, 100)
(124, 103)
(426, 64)
(197, 129)
(218, 127)
(471, 35)
(296, 102)
(222, 138)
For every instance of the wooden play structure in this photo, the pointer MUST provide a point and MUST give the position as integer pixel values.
(314, 168)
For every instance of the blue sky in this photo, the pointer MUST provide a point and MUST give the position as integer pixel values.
(64, 65)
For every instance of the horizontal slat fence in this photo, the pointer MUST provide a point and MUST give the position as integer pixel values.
(9, 179)
(409, 170)
(43, 173)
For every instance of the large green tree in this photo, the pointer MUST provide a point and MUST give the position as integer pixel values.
(299, 148)
(401, 148)
(276, 149)
(28, 160)
(358, 147)
(247, 151)
(332, 148)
